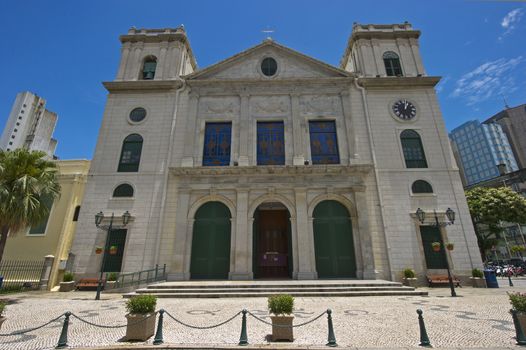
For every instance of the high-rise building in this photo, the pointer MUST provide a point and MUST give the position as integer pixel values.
(482, 151)
(513, 122)
(30, 125)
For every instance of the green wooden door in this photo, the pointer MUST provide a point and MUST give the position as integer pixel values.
(434, 260)
(113, 263)
(211, 242)
(333, 241)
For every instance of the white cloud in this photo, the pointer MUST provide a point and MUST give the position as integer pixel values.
(488, 79)
(443, 82)
(510, 21)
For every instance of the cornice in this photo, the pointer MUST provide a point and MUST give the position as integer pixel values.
(310, 81)
(143, 85)
(284, 171)
(394, 82)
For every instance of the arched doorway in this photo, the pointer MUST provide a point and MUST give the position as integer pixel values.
(333, 241)
(272, 242)
(210, 257)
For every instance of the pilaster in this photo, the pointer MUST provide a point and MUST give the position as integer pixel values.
(242, 265)
(190, 134)
(415, 50)
(243, 130)
(299, 157)
(366, 244)
(180, 267)
(304, 240)
(349, 127)
(375, 44)
(135, 67)
(161, 62)
(125, 52)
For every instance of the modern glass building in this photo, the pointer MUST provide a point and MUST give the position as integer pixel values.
(480, 149)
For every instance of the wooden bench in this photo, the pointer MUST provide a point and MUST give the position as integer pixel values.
(89, 283)
(442, 280)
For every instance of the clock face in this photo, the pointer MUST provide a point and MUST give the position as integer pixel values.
(404, 109)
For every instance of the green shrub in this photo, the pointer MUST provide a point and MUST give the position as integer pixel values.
(518, 301)
(281, 304)
(477, 273)
(112, 276)
(409, 273)
(141, 304)
(2, 307)
(68, 277)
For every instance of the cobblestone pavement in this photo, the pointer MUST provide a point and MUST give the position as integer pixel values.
(478, 318)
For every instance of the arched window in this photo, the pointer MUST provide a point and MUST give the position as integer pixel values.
(130, 154)
(421, 186)
(413, 150)
(148, 67)
(392, 64)
(122, 191)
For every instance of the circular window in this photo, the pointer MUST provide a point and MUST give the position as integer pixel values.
(269, 66)
(138, 115)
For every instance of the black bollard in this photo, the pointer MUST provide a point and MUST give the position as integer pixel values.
(159, 333)
(519, 335)
(63, 340)
(331, 337)
(243, 339)
(424, 339)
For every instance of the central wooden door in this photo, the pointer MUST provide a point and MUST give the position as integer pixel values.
(272, 244)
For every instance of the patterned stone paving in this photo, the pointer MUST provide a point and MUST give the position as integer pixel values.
(479, 318)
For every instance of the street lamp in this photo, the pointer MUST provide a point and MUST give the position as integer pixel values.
(450, 214)
(108, 228)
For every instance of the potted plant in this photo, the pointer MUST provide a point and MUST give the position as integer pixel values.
(68, 282)
(410, 278)
(140, 317)
(113, 250)
(478, 279)
(518, 302)
(98, 250)
(281, 306)
(450, 246)
(435, 246)
(2, 309)
(111, 280)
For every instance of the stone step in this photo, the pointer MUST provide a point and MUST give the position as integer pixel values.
(295, 294)
(152, 289)
(209, 285)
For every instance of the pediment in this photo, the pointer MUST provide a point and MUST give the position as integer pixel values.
(246, 65)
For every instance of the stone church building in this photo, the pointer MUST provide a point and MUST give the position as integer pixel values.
(272, 164)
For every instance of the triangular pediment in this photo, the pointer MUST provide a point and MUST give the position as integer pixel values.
(246, 65)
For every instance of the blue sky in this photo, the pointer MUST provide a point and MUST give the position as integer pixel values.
(63, 50)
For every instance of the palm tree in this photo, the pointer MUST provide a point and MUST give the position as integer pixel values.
(26, 180)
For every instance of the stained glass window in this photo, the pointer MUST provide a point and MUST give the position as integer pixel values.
(413, 150)
(323, 142)
(131, 154)
(217, 144)
(271, 143)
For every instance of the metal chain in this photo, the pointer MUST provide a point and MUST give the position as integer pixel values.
(31, 329)
(287, 326)
(119, 326)
(202, 327)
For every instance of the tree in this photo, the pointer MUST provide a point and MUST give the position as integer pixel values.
(26, 178)
(489, 207)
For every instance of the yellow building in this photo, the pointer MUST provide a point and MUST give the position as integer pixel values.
(55, 235)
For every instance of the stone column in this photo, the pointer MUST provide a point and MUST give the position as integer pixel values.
(191, 130)
(46, 272)
(243, 130)
(299, 157)
(349, 129)
(179, 269)
(124, 61)
(161, 62)
(304, 240)
(366, 244)
(242, 243)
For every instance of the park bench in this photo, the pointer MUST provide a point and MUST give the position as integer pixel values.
(89, 283)
(442, 280)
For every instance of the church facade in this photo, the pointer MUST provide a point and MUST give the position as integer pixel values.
(272, 164)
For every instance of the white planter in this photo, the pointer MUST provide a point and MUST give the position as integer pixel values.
(282, 333)
(137, 330)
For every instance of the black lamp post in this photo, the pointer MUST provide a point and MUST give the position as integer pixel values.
(450, 214)
(108, 228)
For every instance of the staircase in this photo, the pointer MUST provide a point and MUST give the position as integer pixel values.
(297, 288)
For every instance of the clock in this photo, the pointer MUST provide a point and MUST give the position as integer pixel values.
(404, 109)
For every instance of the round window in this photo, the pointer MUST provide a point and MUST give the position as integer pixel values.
(269, 66)
(138, 115)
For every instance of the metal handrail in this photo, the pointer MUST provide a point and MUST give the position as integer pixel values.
(144, 276)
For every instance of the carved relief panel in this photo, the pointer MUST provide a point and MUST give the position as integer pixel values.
(320, 105)
(269, 105)
(221, 106)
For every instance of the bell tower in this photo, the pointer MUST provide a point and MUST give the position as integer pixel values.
(378, 50)
(155, 54)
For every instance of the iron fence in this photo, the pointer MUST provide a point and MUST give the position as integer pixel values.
(140, 277)
(21, 273)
